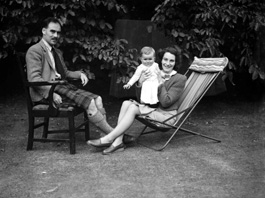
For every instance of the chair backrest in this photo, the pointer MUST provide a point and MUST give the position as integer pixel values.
(203, 73)
(23, 72)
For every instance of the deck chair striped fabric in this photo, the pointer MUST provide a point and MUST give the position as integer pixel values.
(201, 75)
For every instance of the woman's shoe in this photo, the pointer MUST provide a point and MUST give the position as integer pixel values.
(113, 149)
(97, 143)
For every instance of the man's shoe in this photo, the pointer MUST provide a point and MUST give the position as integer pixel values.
(127, 139)
(97, 143)
(113, 149)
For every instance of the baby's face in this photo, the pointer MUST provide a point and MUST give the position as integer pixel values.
(148, 59)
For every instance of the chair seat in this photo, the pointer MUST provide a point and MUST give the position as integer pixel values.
(42, 110)
(152, 124)
(45, 108)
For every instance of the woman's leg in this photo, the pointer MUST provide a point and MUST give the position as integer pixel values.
(124, 108)
(126, 118)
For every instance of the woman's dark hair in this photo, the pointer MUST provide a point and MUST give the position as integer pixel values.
(49, 20)
(171, 50)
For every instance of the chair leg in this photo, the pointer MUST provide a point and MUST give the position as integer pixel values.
(87, 130)
(199, 134)
(45, 128)
(72, 134)
(161, 147)
(177, 129)
(31, 133)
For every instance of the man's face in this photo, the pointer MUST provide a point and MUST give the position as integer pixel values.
(51, 33)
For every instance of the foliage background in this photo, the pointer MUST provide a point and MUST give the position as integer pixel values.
(87, 28)
(232, 28)
(229, 28)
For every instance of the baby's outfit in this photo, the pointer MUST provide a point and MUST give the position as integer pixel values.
(150, 85)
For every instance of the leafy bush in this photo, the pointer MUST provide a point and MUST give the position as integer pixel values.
(87, 29)
(216, 28)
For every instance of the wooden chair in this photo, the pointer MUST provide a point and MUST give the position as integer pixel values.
(67, 110)
(201, 75)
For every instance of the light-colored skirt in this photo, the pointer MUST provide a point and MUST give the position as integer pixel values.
(156, 113)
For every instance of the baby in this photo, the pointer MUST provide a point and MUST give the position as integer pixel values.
(150, 85)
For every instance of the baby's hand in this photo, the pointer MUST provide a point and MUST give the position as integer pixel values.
(127, 86)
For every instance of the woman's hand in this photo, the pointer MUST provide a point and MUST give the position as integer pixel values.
(145, 75)
(160, 76)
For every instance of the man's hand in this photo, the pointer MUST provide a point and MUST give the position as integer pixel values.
(57, 99)
(84, 79)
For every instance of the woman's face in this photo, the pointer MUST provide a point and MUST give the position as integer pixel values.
(168, 62)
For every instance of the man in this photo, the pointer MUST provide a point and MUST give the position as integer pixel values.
(45, 63)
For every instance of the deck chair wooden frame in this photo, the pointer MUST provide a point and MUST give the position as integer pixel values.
(201, 75)
(67, 110)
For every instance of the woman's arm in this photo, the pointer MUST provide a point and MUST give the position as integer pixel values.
(170, 91)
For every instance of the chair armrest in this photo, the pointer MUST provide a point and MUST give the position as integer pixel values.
(45, 83)
(53, 111)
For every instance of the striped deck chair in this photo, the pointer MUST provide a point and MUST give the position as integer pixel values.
(202, 74)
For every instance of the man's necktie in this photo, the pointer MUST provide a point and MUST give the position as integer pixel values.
(58, 64)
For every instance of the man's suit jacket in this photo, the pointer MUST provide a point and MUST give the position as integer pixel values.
(39, 68)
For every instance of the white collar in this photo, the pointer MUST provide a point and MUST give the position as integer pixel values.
(168, 76)
(47, 45)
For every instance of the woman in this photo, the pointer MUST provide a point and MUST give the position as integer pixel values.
(169, 92)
